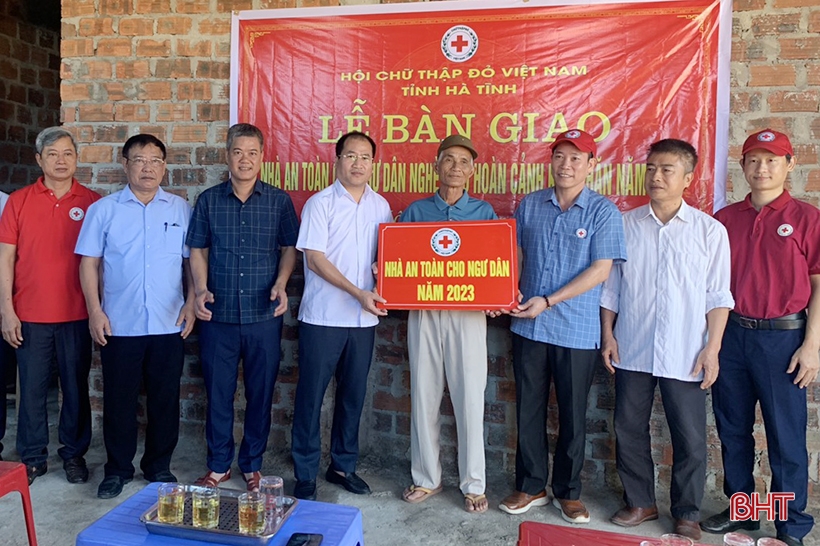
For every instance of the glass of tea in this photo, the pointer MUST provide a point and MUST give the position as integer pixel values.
(171, 498)
(252, 513)
(205, 502)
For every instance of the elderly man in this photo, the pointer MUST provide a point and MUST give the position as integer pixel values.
(242, 238)
(6, 362)
(671, 301)
(338, 315)
(568, 238)
(770, 348)
(448, 345)
(137, 235)
(41, 305)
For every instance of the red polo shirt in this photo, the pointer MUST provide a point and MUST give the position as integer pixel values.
(47, 272)
(773, 253)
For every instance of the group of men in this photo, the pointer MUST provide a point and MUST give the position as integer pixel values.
(665, 294)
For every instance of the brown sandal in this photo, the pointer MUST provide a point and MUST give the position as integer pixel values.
(210, 479)
(253, 481)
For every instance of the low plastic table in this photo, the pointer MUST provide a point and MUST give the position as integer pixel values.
(340, 525)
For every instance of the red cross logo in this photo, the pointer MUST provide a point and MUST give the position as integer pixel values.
(445, 242)
(459, 43)
(785, 230)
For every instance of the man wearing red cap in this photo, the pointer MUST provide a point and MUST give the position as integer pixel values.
(448, 345)
(568, 238)
(770, 347)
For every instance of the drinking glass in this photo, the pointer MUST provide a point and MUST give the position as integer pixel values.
(252, 513)
(671, 539)
(171, 498)
(205, 503)
(738, 539)
(273, 488)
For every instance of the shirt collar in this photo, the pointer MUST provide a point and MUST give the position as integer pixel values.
(257, 187)
(341, 191)
(128, 195)
(441, 204)
(41, 187)
(582, 200)
(781, 201)
(684, 213)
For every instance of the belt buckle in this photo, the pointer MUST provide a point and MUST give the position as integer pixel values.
(749, 323)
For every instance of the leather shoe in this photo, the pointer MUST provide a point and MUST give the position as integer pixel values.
(721, 523)
(790, 540)
(111, 486)
(161, 476)
(35, 471)
(688, 528)
(305, 489)
(630, 517)
(75, 470)
(349, 481)
(572, 511)
(519, 502)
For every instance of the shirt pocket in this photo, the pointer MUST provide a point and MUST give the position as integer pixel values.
(174, 239)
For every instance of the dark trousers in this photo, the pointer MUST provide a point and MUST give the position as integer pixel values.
(685, 406)
(156, 362)
(6, 361)
(572, 370)
(326, 351)
(222, 346)
(753, 366)
(68, 344)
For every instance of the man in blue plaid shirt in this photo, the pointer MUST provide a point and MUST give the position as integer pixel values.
(568, 238)
(243, 250)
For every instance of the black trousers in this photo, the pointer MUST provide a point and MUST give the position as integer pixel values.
(685, 406)
(156, 362)
(68, 344)
(572, 370)
(325, 352)
(7, 362)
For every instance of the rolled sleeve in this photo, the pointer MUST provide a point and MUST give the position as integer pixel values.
(611, 291)
(718, 279)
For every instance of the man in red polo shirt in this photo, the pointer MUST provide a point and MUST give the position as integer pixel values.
(770, 347)
(42, 307)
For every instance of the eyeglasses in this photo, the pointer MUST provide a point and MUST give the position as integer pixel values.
(364, 158)
(143, 161)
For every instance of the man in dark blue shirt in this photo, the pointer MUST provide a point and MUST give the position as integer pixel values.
(243, 251)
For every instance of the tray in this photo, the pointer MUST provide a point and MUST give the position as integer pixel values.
(228, 530)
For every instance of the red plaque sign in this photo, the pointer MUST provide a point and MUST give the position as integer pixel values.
(448, 265)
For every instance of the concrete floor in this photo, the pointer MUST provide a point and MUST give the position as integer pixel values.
(62, 510)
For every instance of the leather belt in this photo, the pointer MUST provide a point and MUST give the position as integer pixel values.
(795, 321)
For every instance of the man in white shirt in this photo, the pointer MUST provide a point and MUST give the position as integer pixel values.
(671, 301)
(338, 315)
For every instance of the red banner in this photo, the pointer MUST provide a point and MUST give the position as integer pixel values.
(510, 76)
(448, 265)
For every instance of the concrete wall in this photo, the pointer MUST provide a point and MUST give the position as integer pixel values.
(161, 66)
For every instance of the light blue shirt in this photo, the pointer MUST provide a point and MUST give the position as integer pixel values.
(559, 245)
(142, 247)
(436, 209)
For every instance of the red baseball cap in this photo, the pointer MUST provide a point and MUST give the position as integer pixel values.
(771, 141)
(578, 138)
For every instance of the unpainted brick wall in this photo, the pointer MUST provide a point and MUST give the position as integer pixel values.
(162, 66)
(29, 92)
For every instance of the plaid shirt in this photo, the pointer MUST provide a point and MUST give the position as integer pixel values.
(559, 245)
(244, 241)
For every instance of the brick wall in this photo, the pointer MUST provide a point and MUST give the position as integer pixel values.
(29, 92)
(161, 66)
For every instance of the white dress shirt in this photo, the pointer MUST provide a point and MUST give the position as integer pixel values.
(347, 233)
(676, 273)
